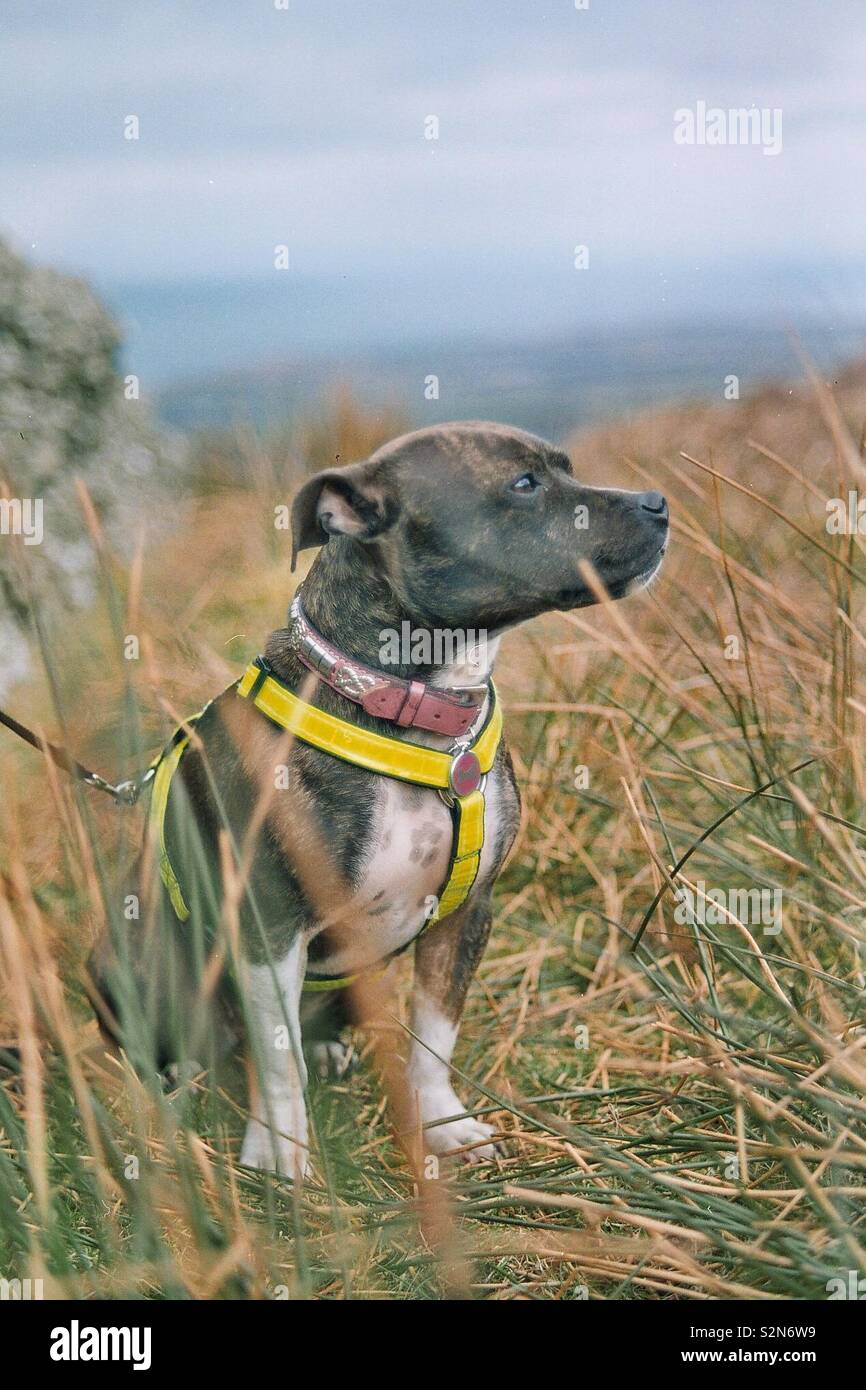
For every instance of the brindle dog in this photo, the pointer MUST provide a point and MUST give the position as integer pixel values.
(462, 526)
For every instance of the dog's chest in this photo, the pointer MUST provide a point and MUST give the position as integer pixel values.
(403, 871)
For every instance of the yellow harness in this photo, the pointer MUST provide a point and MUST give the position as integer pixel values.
(390, 757)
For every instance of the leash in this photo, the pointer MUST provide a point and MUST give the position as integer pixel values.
(458, 776)
(124, 793)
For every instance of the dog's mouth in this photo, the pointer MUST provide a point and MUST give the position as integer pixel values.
(646, 576)
(620, 587)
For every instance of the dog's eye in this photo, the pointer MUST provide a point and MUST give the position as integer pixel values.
(525, 484)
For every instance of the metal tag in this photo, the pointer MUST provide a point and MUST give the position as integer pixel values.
(464, 775)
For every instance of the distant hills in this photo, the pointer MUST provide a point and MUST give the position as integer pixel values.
(550, 387)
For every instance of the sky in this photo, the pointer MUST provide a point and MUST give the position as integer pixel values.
(305, 127)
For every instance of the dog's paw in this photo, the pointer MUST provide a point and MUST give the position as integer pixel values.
(273, 1153)
(332, 1060)
(472, 1136)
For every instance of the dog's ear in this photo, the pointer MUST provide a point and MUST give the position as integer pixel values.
(352, 501)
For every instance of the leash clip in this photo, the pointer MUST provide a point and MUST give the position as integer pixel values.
(124, 793)
(127, 793)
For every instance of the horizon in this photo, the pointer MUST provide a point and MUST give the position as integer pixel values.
(259, 131)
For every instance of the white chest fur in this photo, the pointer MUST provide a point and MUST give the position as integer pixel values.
(405, 868)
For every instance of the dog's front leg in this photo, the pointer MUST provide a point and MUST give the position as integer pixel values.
(276, 1137)
(446, 958)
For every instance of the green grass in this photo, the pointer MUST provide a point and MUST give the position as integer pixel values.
(705, 1138)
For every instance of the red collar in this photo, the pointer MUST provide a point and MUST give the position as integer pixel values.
(411, 704)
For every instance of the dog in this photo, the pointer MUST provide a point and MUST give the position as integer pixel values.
(465, 527)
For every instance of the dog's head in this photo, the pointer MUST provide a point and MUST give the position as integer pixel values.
(479, 524)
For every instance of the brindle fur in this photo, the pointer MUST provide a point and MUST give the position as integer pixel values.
(428, 532)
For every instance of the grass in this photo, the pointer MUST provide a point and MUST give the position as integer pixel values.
(681, 1118)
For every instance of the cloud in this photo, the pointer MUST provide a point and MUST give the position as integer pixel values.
(260, 127)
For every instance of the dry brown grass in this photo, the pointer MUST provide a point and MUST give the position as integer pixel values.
(708, 1139)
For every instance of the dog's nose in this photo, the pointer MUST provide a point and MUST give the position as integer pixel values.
(655, 503)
